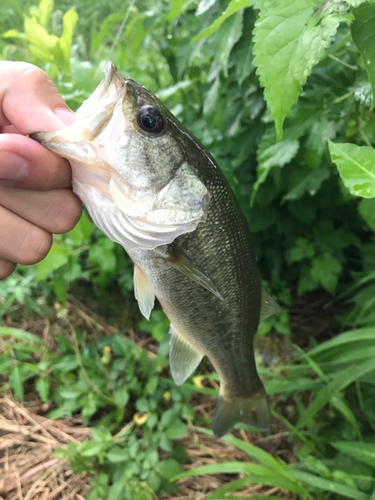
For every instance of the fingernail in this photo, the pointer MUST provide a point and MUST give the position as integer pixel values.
(65, 115)
(12, 167)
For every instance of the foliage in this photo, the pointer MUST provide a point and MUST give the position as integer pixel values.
(211, 62)
(113, 383)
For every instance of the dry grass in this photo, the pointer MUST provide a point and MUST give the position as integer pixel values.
(28, 439)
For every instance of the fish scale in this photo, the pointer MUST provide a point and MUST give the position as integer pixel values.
(153, 188)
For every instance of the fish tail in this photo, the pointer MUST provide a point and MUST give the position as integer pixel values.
(252, 410)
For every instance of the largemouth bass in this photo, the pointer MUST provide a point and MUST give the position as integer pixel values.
(150, 186)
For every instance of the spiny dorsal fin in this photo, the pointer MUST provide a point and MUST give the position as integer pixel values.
(143, 292)
(186, 266)
(269, 305)
(183, 358)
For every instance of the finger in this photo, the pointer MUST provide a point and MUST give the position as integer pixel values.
(25, 243)
(6, 268)
(28, 99)
(25, 163)
(56, 211)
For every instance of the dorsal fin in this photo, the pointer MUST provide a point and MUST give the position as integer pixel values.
(183, 357)
(143, 292)
(269, 306)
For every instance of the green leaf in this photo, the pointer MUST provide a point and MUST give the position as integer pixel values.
(302, 249)
(273, 154)
(176, 429)
(70, 19)
(341, 380)
(326, 485)
(203, 6)
(44, 11)
(42, 387)
(356, 165)
(57, 257)
(364, 452)
(16, 382)
(169, 468)
(366, 208)
(117, 454)
(14, 34)
(229, 33)
(325, 270)
(233, 7)
(288, 41)
(363, 34)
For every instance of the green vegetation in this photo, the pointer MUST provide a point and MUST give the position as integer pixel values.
(281, 93)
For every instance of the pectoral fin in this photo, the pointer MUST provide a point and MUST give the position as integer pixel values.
(269, 306)
(143, 292)
(186, 266)
(183, 358)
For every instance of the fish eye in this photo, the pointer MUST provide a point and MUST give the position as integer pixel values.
(150, 119)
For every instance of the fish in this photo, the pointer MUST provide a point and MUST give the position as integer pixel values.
(152, 187)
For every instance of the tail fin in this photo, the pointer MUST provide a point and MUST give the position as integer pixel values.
(251, 410)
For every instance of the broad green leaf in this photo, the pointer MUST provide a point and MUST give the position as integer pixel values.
(16, 382)
(117, 454)
(306, 182)
(169, 468)
(177, 7)
(14, 34)
(356, 165)
(57, 257)
(302, 249)
(364, 452)
(203, 6)
(233, 7)
(229, 34)
(363, 34)
(42, 45)
(289, 41)
(42, 387)
(65, 42)
(273, 154)
(325, 270)
(366, 208)
(327, 485)
(45, 9)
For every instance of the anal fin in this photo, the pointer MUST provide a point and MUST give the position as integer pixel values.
(269, 306)
(186, 266)
(183, 358)
(143, 292)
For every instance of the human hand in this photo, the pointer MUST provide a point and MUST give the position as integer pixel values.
(36, 199)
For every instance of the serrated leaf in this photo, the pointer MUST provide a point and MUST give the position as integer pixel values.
(325, 270)
(289, 41)
(363, 34)
(302, 249)
(366, 208)
(356, 165)
(233, 7)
